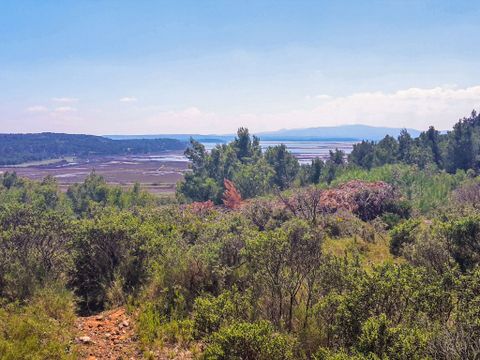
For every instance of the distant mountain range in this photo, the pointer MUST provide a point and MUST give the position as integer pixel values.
(325, 133)
(354, 132)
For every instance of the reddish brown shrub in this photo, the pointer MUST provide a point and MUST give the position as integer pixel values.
(201, 207)
(231, 196)
(365, 199)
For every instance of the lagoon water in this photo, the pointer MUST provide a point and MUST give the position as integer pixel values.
(305, 151)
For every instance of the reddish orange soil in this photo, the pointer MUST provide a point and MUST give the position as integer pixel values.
(109, 335)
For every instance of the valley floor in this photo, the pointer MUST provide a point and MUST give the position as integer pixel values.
(157, 174)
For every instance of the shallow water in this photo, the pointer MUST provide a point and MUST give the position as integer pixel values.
(305, 151)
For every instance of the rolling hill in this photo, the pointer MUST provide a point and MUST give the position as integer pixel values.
(21, 148)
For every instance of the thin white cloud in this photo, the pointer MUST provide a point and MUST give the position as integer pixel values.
(37, 109)
(65, 100)
(413, 107)
(188, 120)
(323, 97)
(64, 109)
(128, 99)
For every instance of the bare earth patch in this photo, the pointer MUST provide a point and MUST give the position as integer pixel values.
(111, 335)
(108, 335)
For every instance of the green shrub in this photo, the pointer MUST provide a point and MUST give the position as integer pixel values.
(41, 329)
(108, 253)
(402, 234)
(249, 341)
(34, 249)
(209, 312)
(325, 354)
(380, 338)
(463, 238)
(157, 326)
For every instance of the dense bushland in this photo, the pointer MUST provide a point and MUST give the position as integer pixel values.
(379, 264)
(290, 276)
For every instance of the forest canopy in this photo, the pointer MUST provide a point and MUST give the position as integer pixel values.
(21, 148)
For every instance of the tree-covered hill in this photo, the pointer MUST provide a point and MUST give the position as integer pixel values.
(20, 148)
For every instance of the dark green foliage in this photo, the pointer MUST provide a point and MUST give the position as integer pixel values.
(242, 162)
(93, 191)
(469, 300)
(462, 151)
(248, 341)
(210, 313)
(459, 149)
(463, 238)
(386, 151)
(94, 194)
(316, 171)
(20, 148)
(403, 234)
(107, 248)
(284, 164)
(384, 313)
(430, 139)
(363, 154)
(34, 249)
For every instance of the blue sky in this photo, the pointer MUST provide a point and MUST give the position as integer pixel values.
(124, 67)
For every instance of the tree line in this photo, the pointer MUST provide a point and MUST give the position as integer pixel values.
(458, 149)
(255, 172)
(21, 148)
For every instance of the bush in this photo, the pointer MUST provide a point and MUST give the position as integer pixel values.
(380, 338)
(325, 354)
(209, 312)
(249, 341)
(108, 252)
(463, 238)
(161, 321)
(403, 234)
(41, 329)
(34, 249)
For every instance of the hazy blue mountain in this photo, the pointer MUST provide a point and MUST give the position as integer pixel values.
(350, 132)
(330, 133)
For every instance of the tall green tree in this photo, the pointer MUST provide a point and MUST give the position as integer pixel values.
(285, 165)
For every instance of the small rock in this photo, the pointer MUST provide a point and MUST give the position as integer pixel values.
(125, 323)
(107, 335)
(85, 339)
(99, 317)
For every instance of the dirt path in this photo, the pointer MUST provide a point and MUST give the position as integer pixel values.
(109, 335)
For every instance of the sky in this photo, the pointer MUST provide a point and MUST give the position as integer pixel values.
(157, 67)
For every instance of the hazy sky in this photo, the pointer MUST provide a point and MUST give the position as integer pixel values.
(137, 66)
